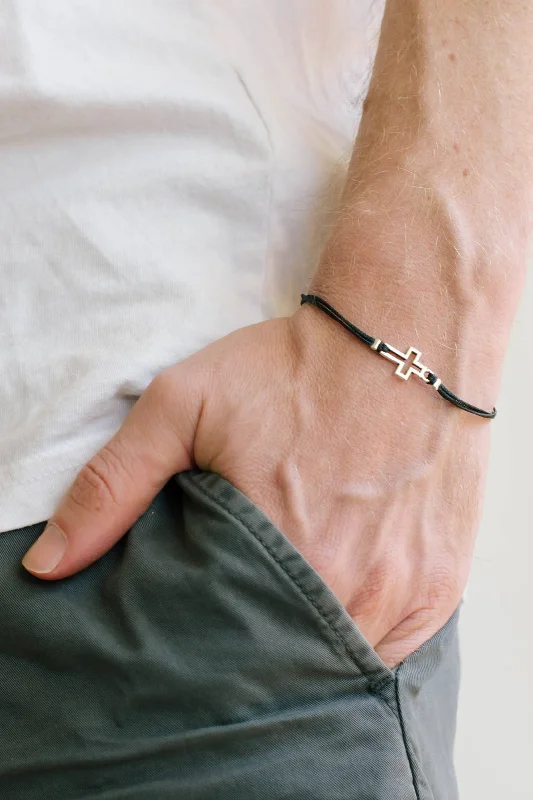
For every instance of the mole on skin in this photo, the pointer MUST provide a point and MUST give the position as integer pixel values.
(452, 56)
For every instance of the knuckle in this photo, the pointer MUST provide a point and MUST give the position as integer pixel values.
(93, 488)
(381, 576)
(376, 587)
(443, 587)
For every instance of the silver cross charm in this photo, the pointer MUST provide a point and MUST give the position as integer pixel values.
(411, 359)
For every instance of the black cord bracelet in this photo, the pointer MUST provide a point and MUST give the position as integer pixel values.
(411, 358)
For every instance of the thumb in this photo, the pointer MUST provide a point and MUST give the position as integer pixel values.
(119, 482)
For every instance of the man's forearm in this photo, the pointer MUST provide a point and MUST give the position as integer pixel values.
(432, 239)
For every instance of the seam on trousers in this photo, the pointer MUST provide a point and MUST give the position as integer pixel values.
(410, 756)
(295, 581)
(379, 688)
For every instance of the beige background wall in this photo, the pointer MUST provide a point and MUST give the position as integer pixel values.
(494, 748)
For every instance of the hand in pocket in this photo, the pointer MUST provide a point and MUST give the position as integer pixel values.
(379, 491)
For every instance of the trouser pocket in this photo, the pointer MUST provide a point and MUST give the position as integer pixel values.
(203, 658)
(394, 729)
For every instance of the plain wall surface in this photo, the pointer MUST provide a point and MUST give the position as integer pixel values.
(494, 747)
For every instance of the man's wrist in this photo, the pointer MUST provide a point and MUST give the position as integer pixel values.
(432, 292)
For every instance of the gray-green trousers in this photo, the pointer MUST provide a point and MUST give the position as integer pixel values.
(204, 658)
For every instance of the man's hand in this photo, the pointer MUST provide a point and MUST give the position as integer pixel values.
(376, 482)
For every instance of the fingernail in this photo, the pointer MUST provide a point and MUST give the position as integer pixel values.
(47, 552)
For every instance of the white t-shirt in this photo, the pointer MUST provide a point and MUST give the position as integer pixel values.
(164, 169)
